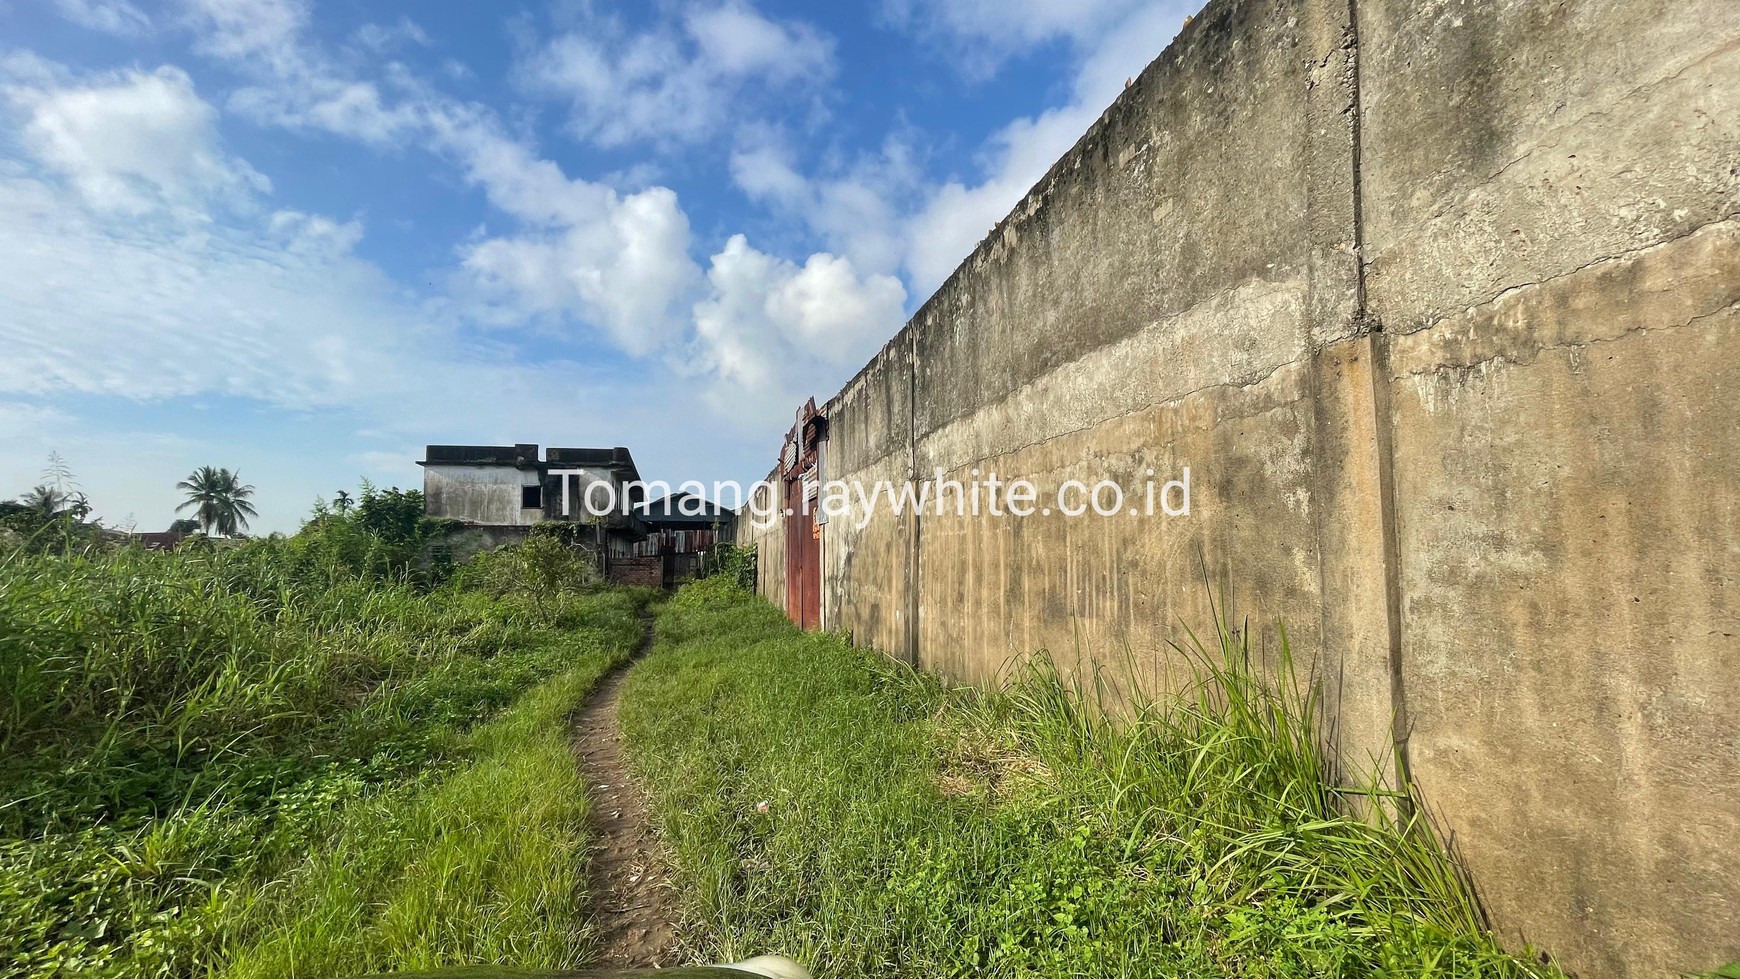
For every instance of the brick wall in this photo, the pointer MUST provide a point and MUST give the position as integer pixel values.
(645, 572)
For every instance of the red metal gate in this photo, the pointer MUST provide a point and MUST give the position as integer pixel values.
(800, 467)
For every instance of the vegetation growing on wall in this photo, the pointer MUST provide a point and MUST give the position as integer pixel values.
(830, 804)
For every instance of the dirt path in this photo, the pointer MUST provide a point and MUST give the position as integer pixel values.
(633, 911)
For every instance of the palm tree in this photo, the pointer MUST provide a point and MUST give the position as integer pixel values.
(46, 500)
(219, 498)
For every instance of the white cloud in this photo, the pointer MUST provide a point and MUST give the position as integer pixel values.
(677, 81)
(381, 38)
(272, 306)
(979, 35)
(884, 214)
(252, 309)
(134, 142)
(100, 303)
(958, 214)
(588, 253)
(21, 421)
(627, 269)
(265, 29)
(857, 210)
(736, 41)
(353, 109)
(773, 332)
(109, 16)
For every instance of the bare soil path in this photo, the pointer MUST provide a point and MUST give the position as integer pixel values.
(633, 906)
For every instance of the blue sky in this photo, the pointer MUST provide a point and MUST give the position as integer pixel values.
(302, 239)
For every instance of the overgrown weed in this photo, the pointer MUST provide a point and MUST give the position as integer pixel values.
(196, 748)
(804, 789)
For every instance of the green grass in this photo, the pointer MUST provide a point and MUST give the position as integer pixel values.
(487, 866)
(262, 760)
(910, 829)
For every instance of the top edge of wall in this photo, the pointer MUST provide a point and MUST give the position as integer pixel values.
(1210, 25)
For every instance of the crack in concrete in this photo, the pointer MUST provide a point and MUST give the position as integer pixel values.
(1507, 357)
(1238, 383)
(1710, 226)
(1557, 134)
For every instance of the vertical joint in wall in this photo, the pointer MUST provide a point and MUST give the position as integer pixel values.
(1383, 424)
(912, 537)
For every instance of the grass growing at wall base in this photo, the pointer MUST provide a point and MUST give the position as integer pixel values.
(828, 804)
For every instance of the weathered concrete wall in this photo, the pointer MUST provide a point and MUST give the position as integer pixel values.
(1551, 195)
(603, 485)
(480, 494)
(1440, 303)
(767, 536)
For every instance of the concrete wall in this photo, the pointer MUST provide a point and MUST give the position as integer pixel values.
(767, 536)
(480, 494)
(1551, 204)
(1440, 302)
(579, 483)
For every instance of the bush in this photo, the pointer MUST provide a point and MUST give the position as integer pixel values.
(544, 565)
(732, 562)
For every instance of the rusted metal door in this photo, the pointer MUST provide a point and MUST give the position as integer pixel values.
(803, 544)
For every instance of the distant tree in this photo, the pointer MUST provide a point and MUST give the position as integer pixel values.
(184, 525)
(53, 515)
(45, 500)
(394, 515)
(219, 499)
(342, 502)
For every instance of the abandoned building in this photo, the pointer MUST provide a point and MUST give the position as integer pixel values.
(501, 491)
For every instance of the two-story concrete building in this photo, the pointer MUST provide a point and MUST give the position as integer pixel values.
(504, 490)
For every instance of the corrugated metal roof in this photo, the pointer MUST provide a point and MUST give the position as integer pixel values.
(668, 511)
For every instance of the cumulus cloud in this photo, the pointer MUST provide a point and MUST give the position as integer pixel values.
(132, 309)
(978, 36)
(959, 213)
(885, 213)
(856, 209)
(625, 267)
(772, 331)
(134, 142)
(109, 16)
(587, 253)
(679, 81)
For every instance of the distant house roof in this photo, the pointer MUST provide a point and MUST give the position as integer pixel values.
(164, 540)
(669, 511)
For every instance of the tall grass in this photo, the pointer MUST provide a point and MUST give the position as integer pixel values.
(194, 746)
(910, 829)
(485, 867)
